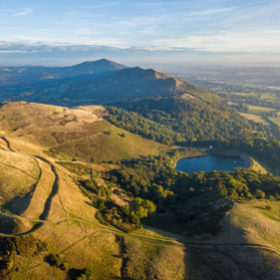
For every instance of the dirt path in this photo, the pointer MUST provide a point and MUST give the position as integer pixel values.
(47, 206)
(43, 188)
(220, 249)
(7, 143)
(66, 249)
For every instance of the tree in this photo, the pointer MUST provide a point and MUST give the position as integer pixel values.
(142, 207)
(260, 194)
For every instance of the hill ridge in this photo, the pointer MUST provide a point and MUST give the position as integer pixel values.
(101, 81)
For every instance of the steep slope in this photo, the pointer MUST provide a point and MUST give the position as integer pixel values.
(58, 236)
(247, 247)
(183, 118)
(19, 176)
(72, 133)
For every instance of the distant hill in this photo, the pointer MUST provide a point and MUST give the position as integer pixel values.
(98, 82)
(26, 74)
(93, 67)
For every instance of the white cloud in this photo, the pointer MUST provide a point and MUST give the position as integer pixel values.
(74, 13)
(250, 41)
(211, 11)
(150, 4)
(103, 4)
(23, 12)
(11, 51)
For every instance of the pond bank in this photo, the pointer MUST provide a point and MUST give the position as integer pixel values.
(250, 162)
(211, 162)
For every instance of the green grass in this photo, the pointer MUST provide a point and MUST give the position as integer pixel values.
(106, 143)
(269, 96)
(254, 117)
(259, 109)
(275, 120)
(76, 168)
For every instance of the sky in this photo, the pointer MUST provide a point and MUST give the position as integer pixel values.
(243, 30)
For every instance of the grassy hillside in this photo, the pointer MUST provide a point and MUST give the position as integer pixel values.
(72, 133)
(19, 175)
(72, 243)
(58, 236)
(78, 194)
(246, 248)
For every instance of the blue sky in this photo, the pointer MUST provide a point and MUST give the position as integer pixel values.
(212, 26)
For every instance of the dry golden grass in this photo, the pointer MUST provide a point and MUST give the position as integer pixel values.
(31, 129)
(256, 166)
(256, 221)
(95, 109)
(71, 133)
(37, 122)
(70, 200)
(43, 189)
(147, 260)
(247, 246)
(261, 225)
(18, 174)
(276, 120)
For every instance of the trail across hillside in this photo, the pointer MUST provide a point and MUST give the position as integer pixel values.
(54, 190)
(219, 249)
(7, 143)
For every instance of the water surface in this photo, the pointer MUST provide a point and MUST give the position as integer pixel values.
(210, 163)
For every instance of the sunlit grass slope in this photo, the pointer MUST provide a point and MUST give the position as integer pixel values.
(19, 175)
(72, 133)
(69, 228)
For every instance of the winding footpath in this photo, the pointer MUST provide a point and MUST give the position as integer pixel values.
(54, 191)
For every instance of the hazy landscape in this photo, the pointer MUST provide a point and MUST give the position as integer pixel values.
(139, 141)
(95, 186)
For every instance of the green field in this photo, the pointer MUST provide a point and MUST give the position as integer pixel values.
(259, 109)
(254, 117)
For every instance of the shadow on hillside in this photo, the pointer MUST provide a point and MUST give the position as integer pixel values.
(19, 204)
(44, 215)
(7, 224)
(229, 256)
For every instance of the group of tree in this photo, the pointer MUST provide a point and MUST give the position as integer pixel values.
(126, 217)
(177, 120)
(188, 201)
